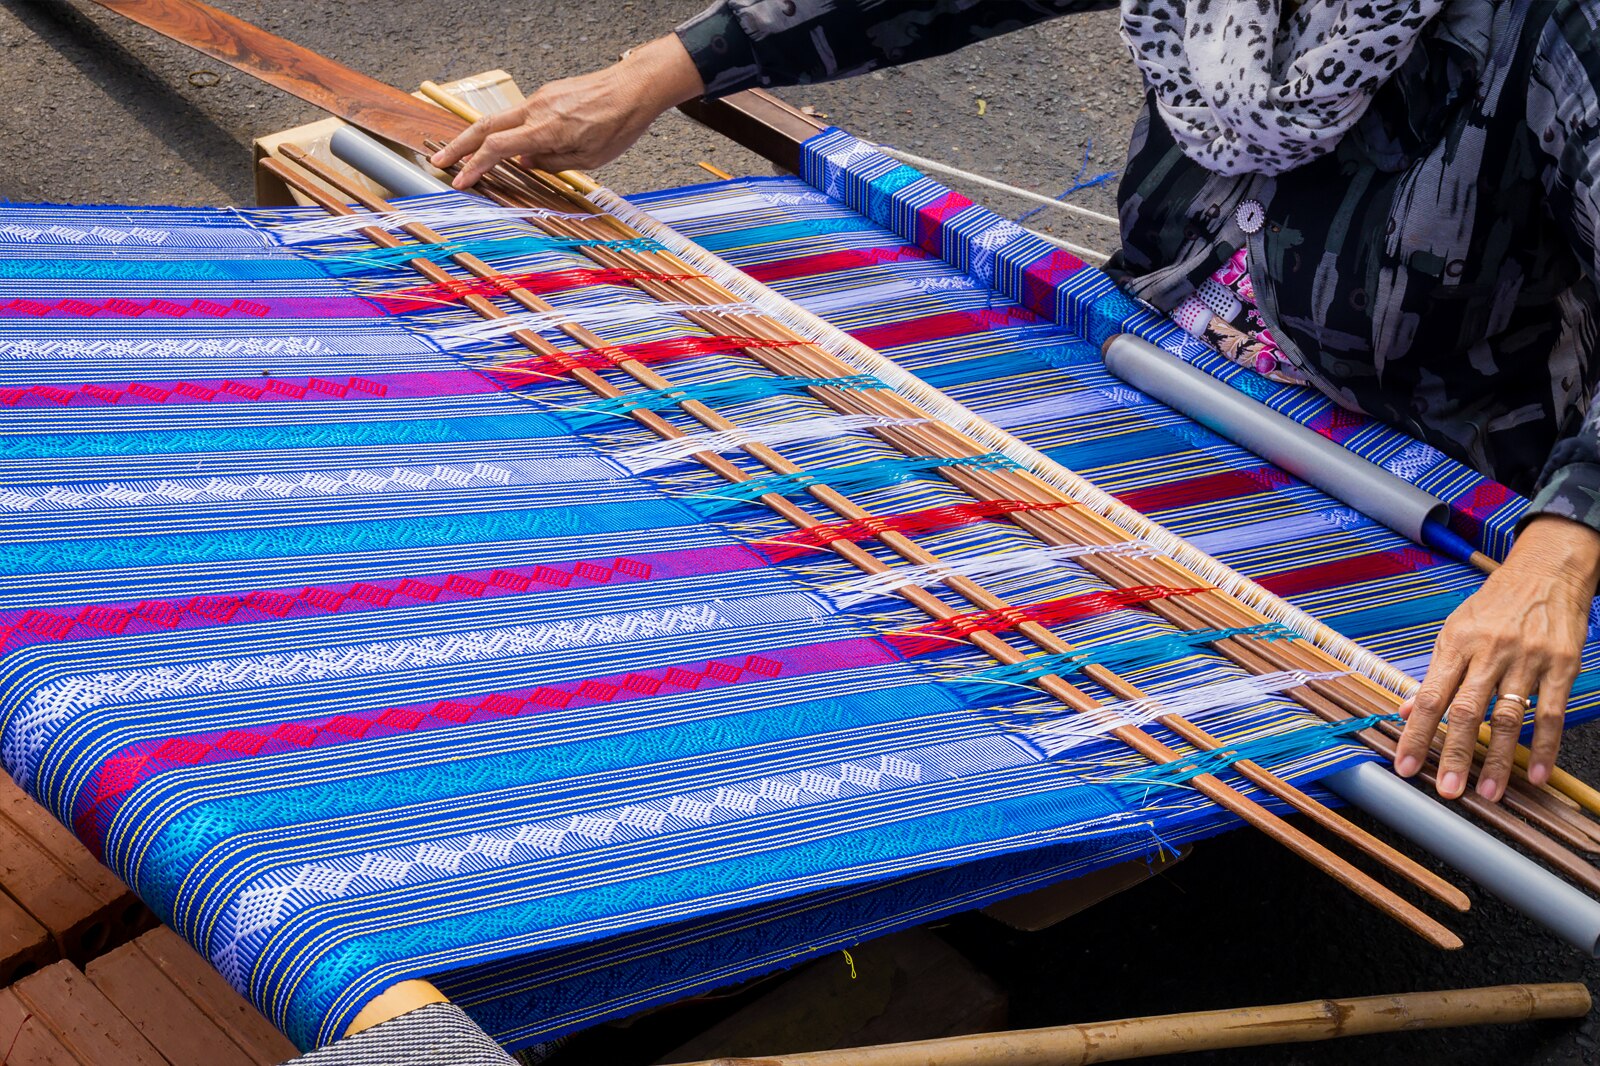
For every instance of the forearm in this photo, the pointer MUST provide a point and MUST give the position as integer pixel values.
(742, 44)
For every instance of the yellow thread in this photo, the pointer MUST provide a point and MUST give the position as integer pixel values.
(851, 963)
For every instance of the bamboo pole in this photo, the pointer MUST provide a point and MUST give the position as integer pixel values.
(1213, 788)
(1170, 1034)
(397, 999)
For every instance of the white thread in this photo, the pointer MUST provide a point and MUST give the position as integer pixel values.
(648, 457)
(1069, 732)
(330, 226)
(592, 317)
(994, 565)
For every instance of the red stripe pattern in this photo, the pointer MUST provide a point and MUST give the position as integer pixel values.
(930, 520)
(937, 635)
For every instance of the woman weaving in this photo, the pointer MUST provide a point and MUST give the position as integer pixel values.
(1398, 203)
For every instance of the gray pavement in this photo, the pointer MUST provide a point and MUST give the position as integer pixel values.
(94, 109)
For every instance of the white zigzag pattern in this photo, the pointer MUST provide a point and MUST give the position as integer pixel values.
(56, 702)
(263, 487)
(78, 235)
(23, 348)
(261, 908)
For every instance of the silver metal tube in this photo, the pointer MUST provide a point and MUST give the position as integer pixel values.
(1504, 871)
(1281, 441)
(399, 176)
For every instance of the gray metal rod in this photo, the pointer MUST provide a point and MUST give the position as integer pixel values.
(1504, 871)
(1281, 441)
(399, 176)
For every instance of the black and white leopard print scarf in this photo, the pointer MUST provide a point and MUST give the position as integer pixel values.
(1246, 89)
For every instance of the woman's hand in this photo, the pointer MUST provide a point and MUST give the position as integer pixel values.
(1518, 636)
(583, 121)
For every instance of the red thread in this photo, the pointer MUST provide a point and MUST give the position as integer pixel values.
(929, 520)
(661, 351)
(419, 297)
(933, 636)
(26, 1018)
(134, 308)
(187, 391)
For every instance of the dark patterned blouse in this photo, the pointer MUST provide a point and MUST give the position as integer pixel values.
(1436, 271)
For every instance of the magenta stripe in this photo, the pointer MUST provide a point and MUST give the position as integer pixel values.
(136, 763)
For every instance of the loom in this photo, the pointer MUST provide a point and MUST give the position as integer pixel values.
(579, 602)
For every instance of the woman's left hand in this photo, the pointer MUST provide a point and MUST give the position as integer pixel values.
(1520, 635)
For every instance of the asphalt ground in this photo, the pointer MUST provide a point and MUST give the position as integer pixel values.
(97, 110)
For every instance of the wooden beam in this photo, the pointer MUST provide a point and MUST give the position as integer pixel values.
(759, 121)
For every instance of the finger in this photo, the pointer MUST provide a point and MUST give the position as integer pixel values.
(496, 147)
(1549, 718)
(470, 139)
(1466, 712)
(1505, 725)
(1427, 707)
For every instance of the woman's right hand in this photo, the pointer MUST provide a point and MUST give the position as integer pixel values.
(579, 122)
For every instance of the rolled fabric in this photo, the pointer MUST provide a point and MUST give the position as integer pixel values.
(1284, 442)
(377, 162)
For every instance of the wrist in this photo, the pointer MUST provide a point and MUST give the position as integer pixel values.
(661, 73)
(1553, 545)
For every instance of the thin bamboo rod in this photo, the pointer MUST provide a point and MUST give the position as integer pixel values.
(1171, 1034)
(1210, 786)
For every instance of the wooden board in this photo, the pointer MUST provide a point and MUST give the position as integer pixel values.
(58, 1010)
(365, 102)
(183, 1007)
(52, 877)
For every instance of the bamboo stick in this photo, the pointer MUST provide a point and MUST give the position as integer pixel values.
(397, 999)
(1170, 1034)
(1212, 787)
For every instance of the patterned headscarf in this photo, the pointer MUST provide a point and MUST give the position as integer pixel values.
(1246, 88)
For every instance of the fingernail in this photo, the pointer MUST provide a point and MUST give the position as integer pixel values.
(1450, 783)
(1538, 773)
(1488, 789)
(1408, 765)
(1404, 710)
(435, 157)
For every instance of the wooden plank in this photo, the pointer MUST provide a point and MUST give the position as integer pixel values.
(83, 905)
(177, 999)
(25, 1040)
(362, 101)
(25, 945)
(83, 1020)
(160, 1010)
(759, 121)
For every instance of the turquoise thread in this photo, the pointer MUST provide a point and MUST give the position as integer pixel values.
(738, 390)
(1117, 655)
(1283, 747)
(854, 477)
(498, 247)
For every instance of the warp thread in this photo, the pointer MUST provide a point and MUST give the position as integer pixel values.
(938, 634)
(331, 226)
(538, 282)
(1117, 655)
(490, 329)
(647, 457)
(649, 353)
(1191, 704)
(738, 390)
(853, 477)
(1276, 749)
(928, 520)
(1019, 563)
(498, 247)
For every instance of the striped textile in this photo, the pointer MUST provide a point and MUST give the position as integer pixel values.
(363, 658)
